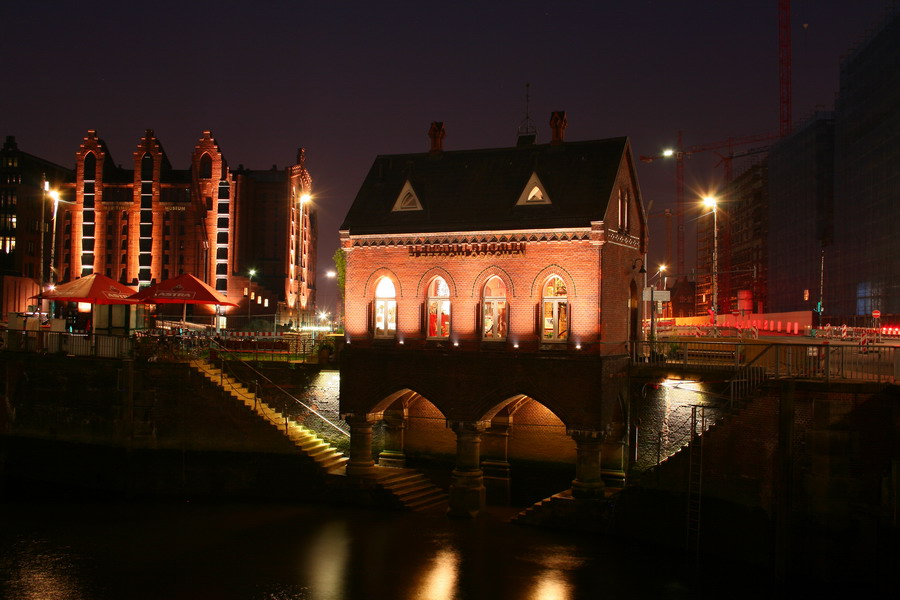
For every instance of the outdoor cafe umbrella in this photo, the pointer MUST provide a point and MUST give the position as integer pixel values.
(184, 289)
(93, 289)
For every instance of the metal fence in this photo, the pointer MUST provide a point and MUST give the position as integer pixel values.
(751, 359)
(160, 346)
(75, 344)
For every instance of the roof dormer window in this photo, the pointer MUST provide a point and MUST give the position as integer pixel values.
(407, 200)
(533, 193)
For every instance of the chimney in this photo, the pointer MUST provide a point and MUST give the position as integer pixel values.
(558, 124)
(436, 133)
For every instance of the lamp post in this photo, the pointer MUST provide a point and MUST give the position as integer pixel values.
(711, 202)
(251, 272)
(662, 269)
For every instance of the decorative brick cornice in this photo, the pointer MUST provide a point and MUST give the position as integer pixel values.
(469, 239)
(622, 238)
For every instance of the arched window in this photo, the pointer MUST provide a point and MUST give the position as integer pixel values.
(385, 309)
(493, 310)
(147, 168)
(438, 309)
(205, 167)
(90, 167)
(554, 311)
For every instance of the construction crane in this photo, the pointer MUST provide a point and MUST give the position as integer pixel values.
(679, 154)
(785, 126)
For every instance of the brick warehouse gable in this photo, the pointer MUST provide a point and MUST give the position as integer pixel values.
(439, 226)
(152, 222)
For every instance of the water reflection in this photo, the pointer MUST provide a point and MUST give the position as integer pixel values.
(665, 412)
(551, 585)
(37, 572)
(439, 581)
(326, 561)
(283, 552)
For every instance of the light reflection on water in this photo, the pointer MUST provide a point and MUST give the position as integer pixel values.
(664, 411)
(279, 552)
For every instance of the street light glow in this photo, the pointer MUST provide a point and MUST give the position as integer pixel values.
(304, 198)
(330, 274)
(668, 152)
(710, 201)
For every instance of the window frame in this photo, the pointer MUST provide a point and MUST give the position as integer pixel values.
(438, 298)
(387, 304)
(558, 303)
(500, 326)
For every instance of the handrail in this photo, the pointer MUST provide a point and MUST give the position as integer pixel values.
(217, 346)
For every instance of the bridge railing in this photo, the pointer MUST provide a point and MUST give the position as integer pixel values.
(776, 360)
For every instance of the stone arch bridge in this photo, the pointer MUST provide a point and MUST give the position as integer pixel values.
(478, 395)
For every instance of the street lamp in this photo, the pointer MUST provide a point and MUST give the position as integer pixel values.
(710, 201)
(252, 272)
(661, 270)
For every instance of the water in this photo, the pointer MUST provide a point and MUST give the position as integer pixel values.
(664, 413)
(61, 551)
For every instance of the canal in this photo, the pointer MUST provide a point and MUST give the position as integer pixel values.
(187, 550)
(54, 547)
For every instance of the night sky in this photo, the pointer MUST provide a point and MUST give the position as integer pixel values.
(350, 80)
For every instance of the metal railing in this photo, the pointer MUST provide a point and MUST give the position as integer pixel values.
(328, 427)
(159, 345)
(74, 344)
(753, 361)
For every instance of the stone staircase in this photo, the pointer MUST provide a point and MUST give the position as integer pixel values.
(409, 489)
(564, 511)
(413, 490)
(305, 440)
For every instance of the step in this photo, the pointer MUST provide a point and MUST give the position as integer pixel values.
(387, 475)
(428, 505)
(322, 452)
(338, 460)
(410, 485)
(424, 492)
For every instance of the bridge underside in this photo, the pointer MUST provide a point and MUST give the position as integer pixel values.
(480, 405)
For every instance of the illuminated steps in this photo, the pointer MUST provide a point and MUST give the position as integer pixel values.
(305, 440)
(412, 489)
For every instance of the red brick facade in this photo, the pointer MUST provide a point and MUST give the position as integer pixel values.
(152, 222)
(538, 361)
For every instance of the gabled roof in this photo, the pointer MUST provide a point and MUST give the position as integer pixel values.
(476, 190)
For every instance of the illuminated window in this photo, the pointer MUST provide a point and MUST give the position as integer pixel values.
(438, 309)
(554, 311)
(385, 309)
(493, 310)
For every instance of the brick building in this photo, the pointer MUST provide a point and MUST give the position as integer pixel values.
(24, 204)
(490, 286)
(151, 222)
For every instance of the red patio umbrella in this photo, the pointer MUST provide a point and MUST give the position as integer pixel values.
(94, 289)
(183, 289)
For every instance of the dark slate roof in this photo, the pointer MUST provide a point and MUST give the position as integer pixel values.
(474, 190)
